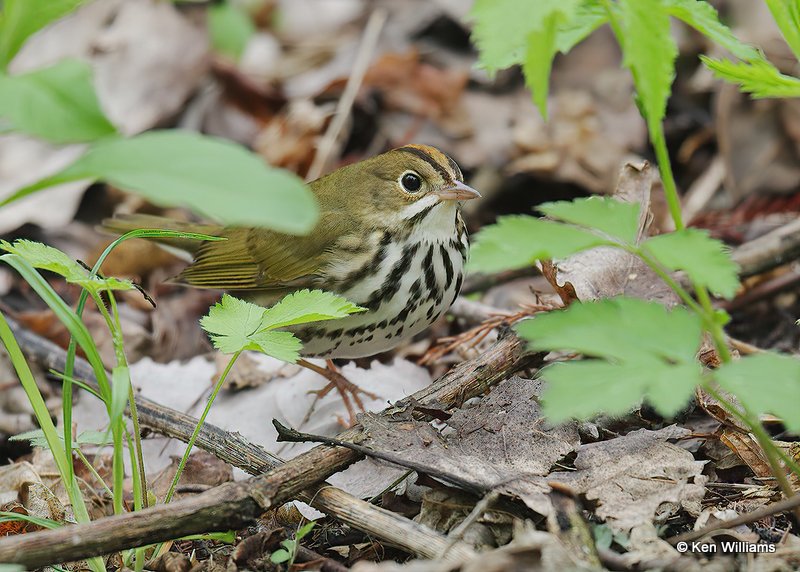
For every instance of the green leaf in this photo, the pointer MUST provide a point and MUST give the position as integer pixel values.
(586, 388)
(230, 323)
(787, 16)
(650, 53)
(518, 241)
(640, 348)
(281, 345)
(56, 103)
(37, 438)
(230, 29)
(623, 329)
(539, 61)
(610, 216)
(767, 383)
(8, 516)
(235, 325)
(503, 28)
(703, 17)
(307, 306)
(703, 258)
(303, 531)
(589, 16)
(46, 257)
(279, 556)
(757, 77)
(217, 178)
(22, 18)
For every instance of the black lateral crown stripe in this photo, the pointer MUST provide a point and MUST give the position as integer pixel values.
(423, 155)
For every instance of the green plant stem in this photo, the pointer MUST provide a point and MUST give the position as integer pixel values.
(67, 389)
(761, 435)
(118, 467)
(94, 472)
(137, 433)
(138, 495)
(665, 276)
(36, 400)
(199, 425)
(665, 167)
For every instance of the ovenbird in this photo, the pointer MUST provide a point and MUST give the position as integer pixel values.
(390, 238)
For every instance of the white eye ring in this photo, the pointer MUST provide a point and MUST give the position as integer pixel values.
(410, 181)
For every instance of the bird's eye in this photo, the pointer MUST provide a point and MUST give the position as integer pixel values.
(411, 182)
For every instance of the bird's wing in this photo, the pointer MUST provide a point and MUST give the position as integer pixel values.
(259, 259)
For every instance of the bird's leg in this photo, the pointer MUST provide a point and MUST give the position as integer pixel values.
(345, 387)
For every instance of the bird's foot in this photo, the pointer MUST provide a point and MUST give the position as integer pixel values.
(350, 392)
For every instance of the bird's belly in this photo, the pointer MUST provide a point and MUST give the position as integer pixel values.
(408, 292)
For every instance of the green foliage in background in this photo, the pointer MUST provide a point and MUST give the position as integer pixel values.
(633, 349)
(219, 179)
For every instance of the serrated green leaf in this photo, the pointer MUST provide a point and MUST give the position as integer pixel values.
(623, 329)
(57, 103)
(757, 77)
(22, 18)
(307, 306)
(585, 388)
(503, 28)
(518, 241)
(589, 16)
(46, 257)
(650, 52)
(230, 29)
(767, 383)
(501, 32)
(703, 258)
(610, 216)
(281, 345)
(36, 438)
(235, 325)
(230, 323)
(703, 17)
(787, 15)
(539, 61)
(217, 178)
(642, 350)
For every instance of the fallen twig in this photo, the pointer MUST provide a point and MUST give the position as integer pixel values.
(784, 505)
(216, 507)
(775, 248)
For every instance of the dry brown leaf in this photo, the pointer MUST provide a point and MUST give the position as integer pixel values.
(201, 469)
(605, 272)
(638, 478)
(749, 451)
(530, 551)
(502, 443)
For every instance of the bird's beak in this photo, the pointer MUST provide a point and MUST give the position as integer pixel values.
(458, 191)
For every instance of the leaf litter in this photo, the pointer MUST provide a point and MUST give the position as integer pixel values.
(635, 485)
